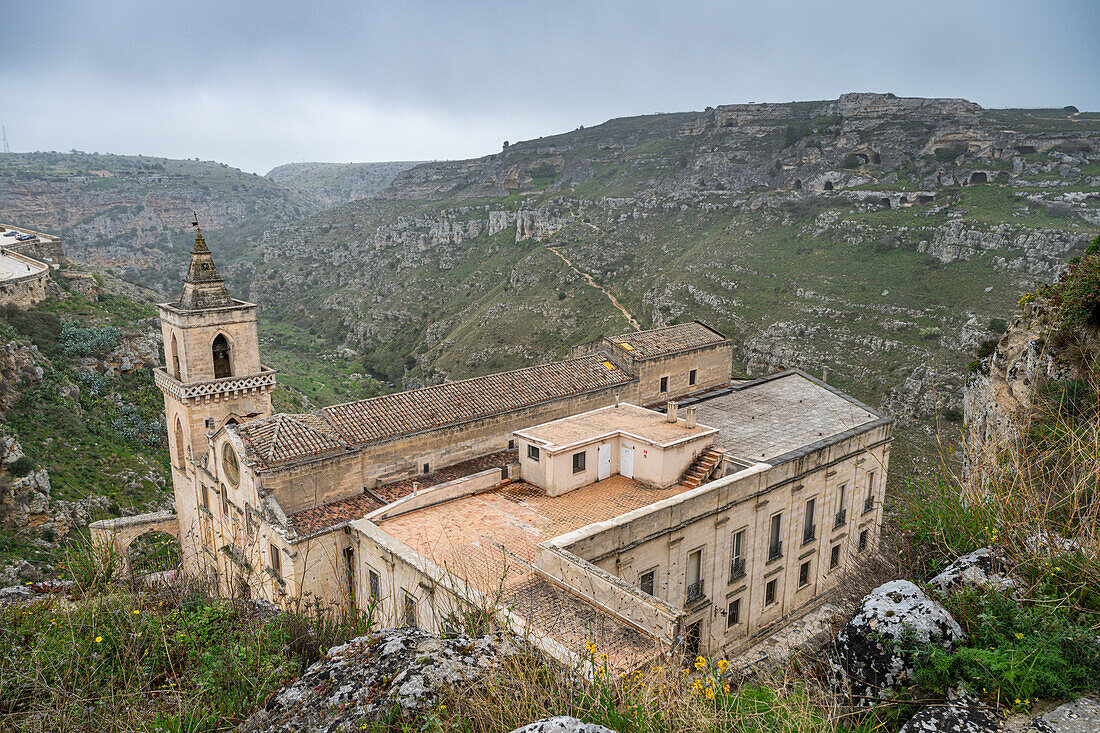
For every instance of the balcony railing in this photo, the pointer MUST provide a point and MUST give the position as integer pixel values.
(775, 550)
(809, 534)
(841, 518)
(695, 591)
(737, 568)
(868, 504)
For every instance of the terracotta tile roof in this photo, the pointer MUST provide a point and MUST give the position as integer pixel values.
(313, 520)
(451, 403)
(667, 340)
(283, 438)
(398, 489)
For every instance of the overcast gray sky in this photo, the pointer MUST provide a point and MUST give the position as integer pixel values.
(256, 84)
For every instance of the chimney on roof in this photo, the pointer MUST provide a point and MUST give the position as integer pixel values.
(689, 417)
(670, 411)
(416, 488)
(616, 399)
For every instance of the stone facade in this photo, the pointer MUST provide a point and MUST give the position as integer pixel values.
(326, 505)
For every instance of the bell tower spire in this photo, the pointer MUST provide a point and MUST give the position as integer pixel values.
(203, 287)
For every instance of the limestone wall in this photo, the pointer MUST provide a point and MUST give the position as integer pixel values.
(707, 519)
(712, 367)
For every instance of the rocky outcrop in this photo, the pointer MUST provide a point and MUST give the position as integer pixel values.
(1026, 356)
(371, 677)
(562, 724)
(864, 652)
(963, 714)
(1080, 716)
(977, 569)
(21, 367)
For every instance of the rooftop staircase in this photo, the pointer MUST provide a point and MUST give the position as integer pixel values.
(701, 468)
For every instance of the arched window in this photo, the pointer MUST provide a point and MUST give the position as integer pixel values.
(180, 452)
(222, 364)
(174, 359)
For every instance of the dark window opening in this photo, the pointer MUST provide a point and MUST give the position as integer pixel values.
(533, 452)
(375, 581)
(646, 582)
(804, 574)
(834, 557)
(222, 364)
(769, 593)
(410, 610)
(349, 568)
(225, 501)
(426, 468)
(511, 444)
(733, 613)
(691, 377)
(664, 384)
(578, 462)
(863, 540)
(692, 635)
(276, 560)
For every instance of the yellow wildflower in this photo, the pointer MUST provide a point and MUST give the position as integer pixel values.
(700, 663)
(98, 639)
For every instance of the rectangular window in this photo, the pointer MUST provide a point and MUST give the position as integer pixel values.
(834, 557)
(349, 569)
(733, 613)
(769, 593)
(775, 539)
(809, 528)
(664, 384)
(646, 581)
(225, 501)
(691, 377)
(375, 581)
(863, 540)
(578, 462)
(276, 560)
(804, 574)
(843, 496)
(511, 444)
(533, 452)
(410, 610)
(737, 556)
(205, 497)
(427, 468)
(841, 510)
(695, 575)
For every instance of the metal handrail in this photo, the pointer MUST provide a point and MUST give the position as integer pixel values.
(737, 568)
(695, 591)
(841, 517)
(776, 550)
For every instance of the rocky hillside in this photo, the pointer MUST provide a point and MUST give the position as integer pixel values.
(332, 184)
(875, 236)
(134, 212)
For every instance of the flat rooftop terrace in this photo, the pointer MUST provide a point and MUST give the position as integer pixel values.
(646, 424)
(770, 418)
(13, 268)
(489, 540)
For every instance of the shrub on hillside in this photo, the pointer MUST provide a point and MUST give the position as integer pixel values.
(1076, 296)
(80, 341)
(21, 467)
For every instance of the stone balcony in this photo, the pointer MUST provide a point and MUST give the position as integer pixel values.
(214, 390)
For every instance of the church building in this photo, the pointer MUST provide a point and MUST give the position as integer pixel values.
(633, 495)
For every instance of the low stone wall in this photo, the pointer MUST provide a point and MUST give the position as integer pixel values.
(464, 486)
(640, 610)
(27, 290)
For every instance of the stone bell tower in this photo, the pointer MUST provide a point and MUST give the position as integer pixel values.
(212, 373)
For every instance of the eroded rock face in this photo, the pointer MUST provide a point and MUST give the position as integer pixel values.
(974, 569)
(1080, 716)
(864, 652)
(963, 715)
(370, 677)
(562, 724)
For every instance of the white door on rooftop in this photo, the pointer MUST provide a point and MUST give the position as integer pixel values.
(626, 461)
(603, 462)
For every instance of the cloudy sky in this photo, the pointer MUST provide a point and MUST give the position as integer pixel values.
(256, 84)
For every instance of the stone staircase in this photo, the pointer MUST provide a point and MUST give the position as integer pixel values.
(701, 468)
